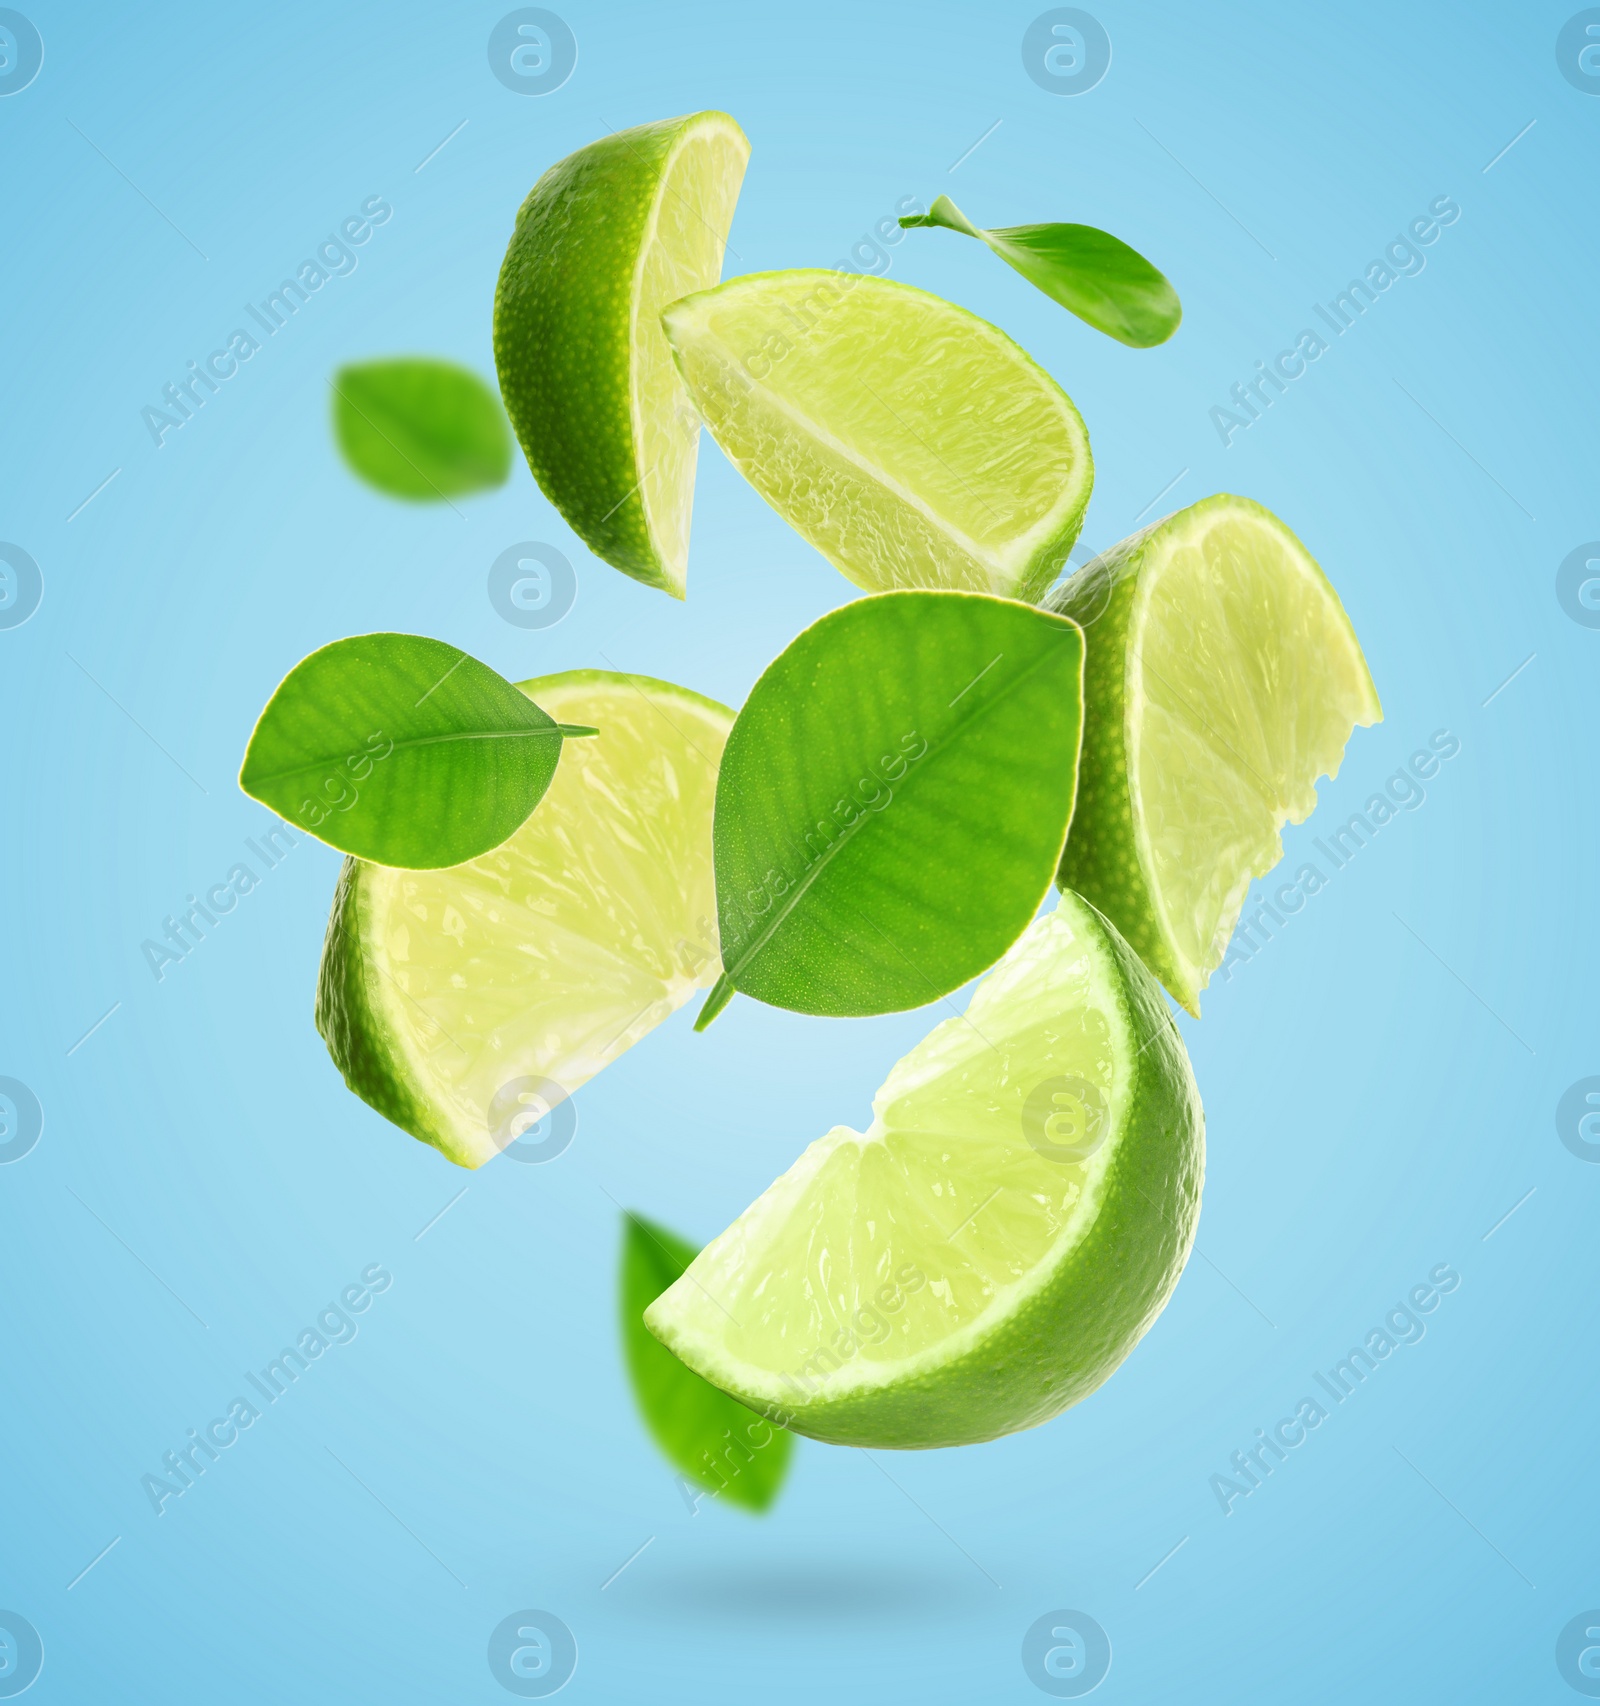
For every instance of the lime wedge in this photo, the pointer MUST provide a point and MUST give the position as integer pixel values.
(911, 442)
(463, 1003)
(606, 239)
(1223, 679)
(996, 1242)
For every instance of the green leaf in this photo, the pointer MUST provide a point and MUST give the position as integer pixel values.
(420, 429)
(711, 1438)
(402, 750)
(893, 800)
(1095, 275)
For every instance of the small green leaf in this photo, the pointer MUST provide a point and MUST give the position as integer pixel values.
(711, 1438)
(402, 750)
(893, 800)
(1095, 275)
(420, 429)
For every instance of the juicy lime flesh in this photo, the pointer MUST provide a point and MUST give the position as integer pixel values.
(908, 1242)
(682, 253)
(911, 442)
(550, 956)
(1245, 683)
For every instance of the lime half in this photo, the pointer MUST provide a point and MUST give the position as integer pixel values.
(912, 443)
(465, 1003)
(1222, 680)
(606, 239)
(995, 1243)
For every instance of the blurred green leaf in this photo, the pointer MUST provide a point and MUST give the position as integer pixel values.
(420, 429)
(711, 1438)
(1088, 271)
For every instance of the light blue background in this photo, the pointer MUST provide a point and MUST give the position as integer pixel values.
(1377, 1099)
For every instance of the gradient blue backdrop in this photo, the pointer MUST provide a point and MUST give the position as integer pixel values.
(1381, 1080)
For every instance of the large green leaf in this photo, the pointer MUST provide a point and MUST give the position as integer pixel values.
(402, 750)
(893, 801)
(710, 1437)
(421, 429)
(1088, 271)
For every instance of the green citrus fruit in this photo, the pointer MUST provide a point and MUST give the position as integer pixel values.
(995, 1243)
(1222, 680)
(606, 239)
(464, 1002)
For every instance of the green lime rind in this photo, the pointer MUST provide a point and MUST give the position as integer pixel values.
(1101, 861)
(563, 336)
(358, 1041)
(562, 327)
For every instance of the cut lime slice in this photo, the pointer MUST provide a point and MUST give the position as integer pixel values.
(606, 239)
(1223, 679)
(998, 1240)
(464, 1003)
(912, 443)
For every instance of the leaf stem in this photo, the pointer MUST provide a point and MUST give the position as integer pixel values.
(722, 992)
(945, 214)
(575, 731)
